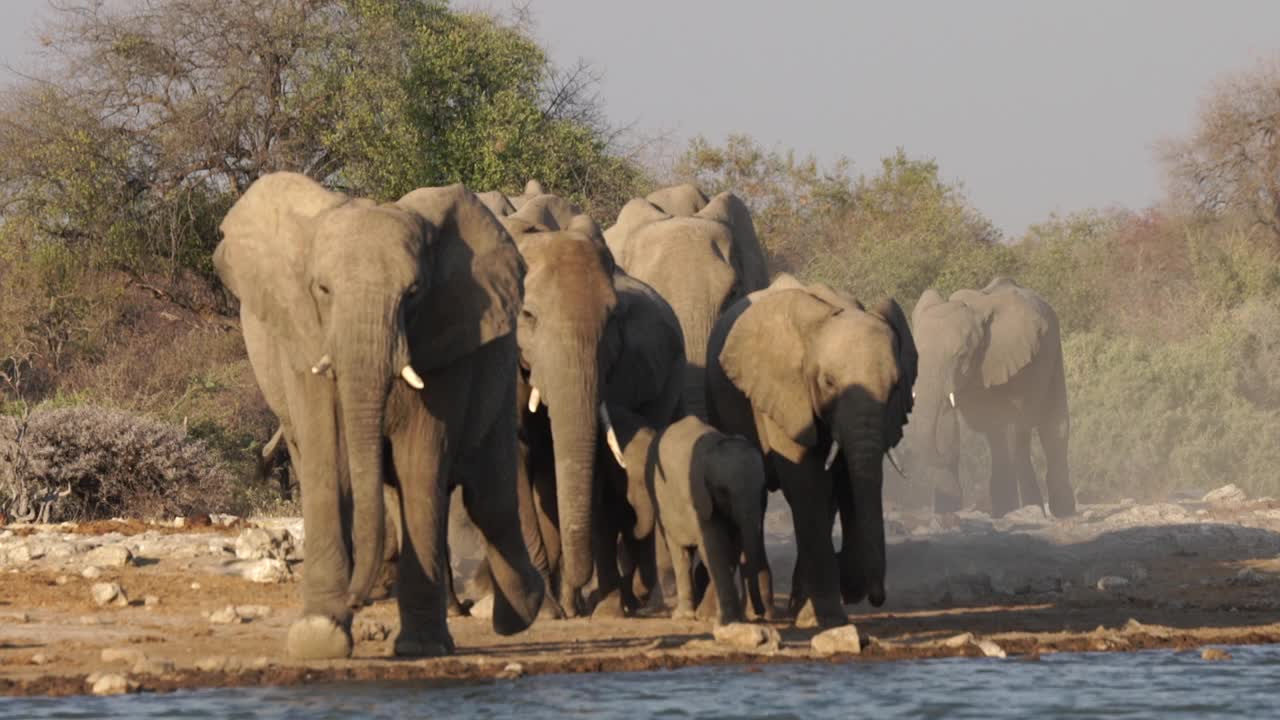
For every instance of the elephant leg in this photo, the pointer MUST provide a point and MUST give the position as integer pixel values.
(720, 554)
(1004, 487)
(608, 582)
(324, 630)
(665, 565)
(421, 465)
(1054, 434)
(796, 599)
(808, 490)
(948, 496)
(628, 575)
(682, 565)
(491, 498)
(1024, 470)
(457, 608)
(851, 588)
(531, 528)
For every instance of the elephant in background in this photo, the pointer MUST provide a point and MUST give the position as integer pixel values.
(994, 357)
(383, 338)
(700, 262)
(822, 386)
(709, 489)
(601, 356)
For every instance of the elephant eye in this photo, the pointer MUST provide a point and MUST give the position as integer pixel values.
(412, 292)
(528, 316)
(322, 288)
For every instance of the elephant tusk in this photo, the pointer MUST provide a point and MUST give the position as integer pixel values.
(611, 437)
(913, 394)
(412, 378)
(535, 398)
(323, 366)
(952, 397)
(831, 454)
(893, 460)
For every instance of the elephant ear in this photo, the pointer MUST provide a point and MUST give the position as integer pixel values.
(550, 211)
(763, 356)
(532, 189)
(685, 451)
(649, 365)
(682, 200)
(747, 255)
(1015, 327)
(476, 277)
(262, 257)
(928, 299)
(900, 401)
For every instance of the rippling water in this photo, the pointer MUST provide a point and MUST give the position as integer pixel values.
(1156, 684)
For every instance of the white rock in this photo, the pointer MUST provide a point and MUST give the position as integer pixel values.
(511, 671)
(40, 659)
(217, 663)
(112, 684)
(1108, 583)
(62, 550)
(958, 641)
(108, 594)
(61, 580)
(989, 648)
(253, 612)
(225, 616)
(195, 586)
(132, 656)
(1226, 495)
(109, 556)
(747, 636)
(91, 573)
(179, 522)
(150, 600)
(369, 630)
(268, 570)
(843, 639)
(258, 543)
(20, 554)
(1027, 514)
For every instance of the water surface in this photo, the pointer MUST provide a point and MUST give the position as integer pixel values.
(1153, 684)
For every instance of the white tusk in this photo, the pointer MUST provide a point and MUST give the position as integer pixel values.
(831, 454)
(323, 366)
(611, 437)
(913, 394)
(535, 397)
(952, 397)
(893, 460)
(412, 378)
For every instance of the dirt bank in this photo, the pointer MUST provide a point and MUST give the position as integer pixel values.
(1118, 578)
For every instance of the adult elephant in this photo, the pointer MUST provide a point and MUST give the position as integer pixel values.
(382, 337)
(994, 357)
(700, 262)
(822, 386)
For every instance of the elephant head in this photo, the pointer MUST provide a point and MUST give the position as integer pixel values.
(826, 377)
(973, 341)
(678, 200)
(368, 296)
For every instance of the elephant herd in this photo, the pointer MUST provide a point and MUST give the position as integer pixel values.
(612, 406)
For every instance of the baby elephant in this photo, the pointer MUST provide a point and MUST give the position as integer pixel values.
(709, 488)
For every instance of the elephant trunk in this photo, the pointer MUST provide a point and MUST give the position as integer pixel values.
(697, 332)
(863, 557)
(573, 400)
(364, 377)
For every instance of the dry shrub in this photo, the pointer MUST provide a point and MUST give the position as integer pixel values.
(91, 462)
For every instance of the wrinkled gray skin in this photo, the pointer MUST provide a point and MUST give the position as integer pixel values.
(344, 303)
(999, 353)
(589, 334)
(700, 255)
(709, 489)
(794, 368)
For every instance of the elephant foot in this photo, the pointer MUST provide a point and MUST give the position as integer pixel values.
(609, 607)
(684, 614)
(460, 608)
(709, 608)
(571, 604)
(1062, 503)
(770, 613)
(945, 502)
(423, 645)
(318, 637)
(550, 609)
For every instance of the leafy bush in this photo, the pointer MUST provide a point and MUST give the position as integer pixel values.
(90, 462)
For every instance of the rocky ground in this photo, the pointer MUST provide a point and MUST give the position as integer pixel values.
(123, 606)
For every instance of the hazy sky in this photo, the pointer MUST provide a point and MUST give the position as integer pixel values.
(1036, 106)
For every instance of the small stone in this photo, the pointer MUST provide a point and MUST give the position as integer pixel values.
(112, 684)
(109, 556)
(267, 571)
(511, 671)
(131, 656)
(840, 640)
(20, 554)
(216, 663)
(1110, 583)
(747, 636)
(61, 580)
(195, 586)
(153, 667)
(958, 641)
(259, 663)
(108, 594)
(1214, 654)
(252, 612)
(150, 600)
(179, 522)
(91, 573)
(226, 616)
(1249, 576)
(1226, 495)
(989, 648)
(40, 659)
(483, 608)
